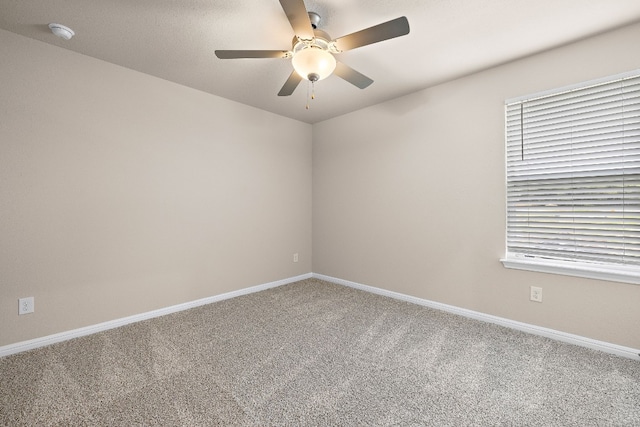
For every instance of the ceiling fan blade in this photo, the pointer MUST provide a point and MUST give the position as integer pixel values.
(352, 76)
(291, 84)
(385, 31)
(298, 18)
(236, 54)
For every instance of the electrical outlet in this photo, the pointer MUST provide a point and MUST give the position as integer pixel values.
(536, 294)
(26, 305)
(295, 257)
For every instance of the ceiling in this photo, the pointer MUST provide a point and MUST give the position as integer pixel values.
(175, 40)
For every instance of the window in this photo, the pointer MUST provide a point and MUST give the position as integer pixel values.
(573, 180)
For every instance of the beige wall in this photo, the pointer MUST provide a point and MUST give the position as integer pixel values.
(122, 193)
(409, 196)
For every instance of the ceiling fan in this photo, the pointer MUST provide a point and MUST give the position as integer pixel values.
(312, 51)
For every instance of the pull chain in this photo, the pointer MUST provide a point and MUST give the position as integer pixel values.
(313, 92)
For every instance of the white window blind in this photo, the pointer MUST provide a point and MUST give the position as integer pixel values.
(573, 174)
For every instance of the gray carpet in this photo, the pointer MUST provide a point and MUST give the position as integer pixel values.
(315, 353)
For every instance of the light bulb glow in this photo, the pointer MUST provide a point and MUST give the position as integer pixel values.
(313, 60)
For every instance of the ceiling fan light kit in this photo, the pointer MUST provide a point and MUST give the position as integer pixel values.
(312, 60)
(313, 50)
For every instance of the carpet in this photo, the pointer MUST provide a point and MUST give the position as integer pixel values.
(314, 353)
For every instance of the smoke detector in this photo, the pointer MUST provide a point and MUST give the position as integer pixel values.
(61, 31)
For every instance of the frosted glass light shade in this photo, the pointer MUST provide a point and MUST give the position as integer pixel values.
(314, 61)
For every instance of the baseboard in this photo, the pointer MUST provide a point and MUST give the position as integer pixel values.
(606, 347)
(88, 330)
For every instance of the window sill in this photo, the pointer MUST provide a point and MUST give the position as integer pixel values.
(590, 271)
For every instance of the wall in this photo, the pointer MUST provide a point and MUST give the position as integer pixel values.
(121, 193)
(409, 196)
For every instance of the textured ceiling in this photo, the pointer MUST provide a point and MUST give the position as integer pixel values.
(175, 40)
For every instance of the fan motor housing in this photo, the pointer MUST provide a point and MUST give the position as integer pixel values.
(320, 36)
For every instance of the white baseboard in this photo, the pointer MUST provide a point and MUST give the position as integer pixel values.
(606, 347)
(88, 330)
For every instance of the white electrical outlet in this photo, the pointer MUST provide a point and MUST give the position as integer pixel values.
(536, 294)
(295, 257)
(26, 305)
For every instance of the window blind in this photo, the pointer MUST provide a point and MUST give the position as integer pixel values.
(573, 174)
